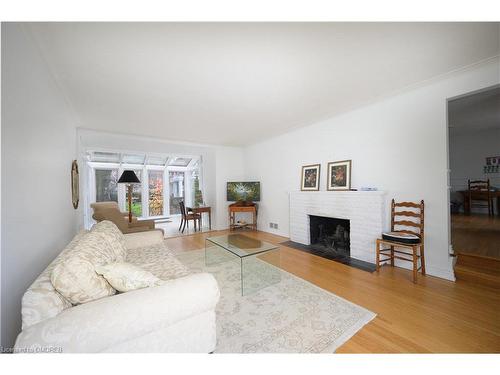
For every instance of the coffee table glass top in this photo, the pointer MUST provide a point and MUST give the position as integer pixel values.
(242, 245)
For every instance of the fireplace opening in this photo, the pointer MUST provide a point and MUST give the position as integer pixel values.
(330, 236)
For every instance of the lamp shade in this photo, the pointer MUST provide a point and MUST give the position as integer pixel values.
(128, 177)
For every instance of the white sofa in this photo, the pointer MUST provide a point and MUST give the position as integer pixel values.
(178, 316)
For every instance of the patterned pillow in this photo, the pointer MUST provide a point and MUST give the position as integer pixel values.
(125, 277)
(41, 301)
(75, 277)
(113, 237)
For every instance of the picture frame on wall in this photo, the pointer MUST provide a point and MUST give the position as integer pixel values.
(310, 177)
(339, 175)
(75, 181)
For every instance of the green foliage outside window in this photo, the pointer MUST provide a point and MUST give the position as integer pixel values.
(156, 194)
(198, 196)
(137, 209)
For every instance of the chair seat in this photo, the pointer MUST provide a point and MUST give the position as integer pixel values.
(401, 237)
(475, 200)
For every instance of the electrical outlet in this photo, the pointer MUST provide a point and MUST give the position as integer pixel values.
(271, 225)
(275, 225)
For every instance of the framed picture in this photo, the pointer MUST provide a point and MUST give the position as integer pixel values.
(310, 177)
(75, 192)
(339, 175)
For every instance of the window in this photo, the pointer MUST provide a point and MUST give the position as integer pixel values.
(166, 180)
(155, 182)
(156, 160)
(196, 194)
(176, 189)
(179, 162)
(136, 195)
(104, 157)
(133, 158)
(106, 183)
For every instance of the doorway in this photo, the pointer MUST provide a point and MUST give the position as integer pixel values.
(474, 182)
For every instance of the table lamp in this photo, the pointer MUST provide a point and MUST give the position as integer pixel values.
(129, 178)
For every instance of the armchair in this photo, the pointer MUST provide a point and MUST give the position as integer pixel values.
(112, 213)
(99, 206)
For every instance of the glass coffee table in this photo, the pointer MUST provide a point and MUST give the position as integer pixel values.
(253, 255)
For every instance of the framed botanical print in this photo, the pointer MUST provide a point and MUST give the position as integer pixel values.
(339, 175)
(310, 177)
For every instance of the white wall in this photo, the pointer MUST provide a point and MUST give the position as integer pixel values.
(0, 211)
(230, 167)
(398, 144)
(220, 164)
(38, 146)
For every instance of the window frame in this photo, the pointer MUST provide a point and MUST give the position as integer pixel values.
(165, 190)
(145, 169)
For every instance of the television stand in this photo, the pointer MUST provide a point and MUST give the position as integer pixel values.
(237, 207)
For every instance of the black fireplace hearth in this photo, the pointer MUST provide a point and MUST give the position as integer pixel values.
(330, 239)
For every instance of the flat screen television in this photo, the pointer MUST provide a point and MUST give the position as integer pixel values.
(243, 191)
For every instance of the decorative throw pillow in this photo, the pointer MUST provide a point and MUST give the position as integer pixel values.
(41, 301)
(75, 277)
(112, 237)
(125, 277)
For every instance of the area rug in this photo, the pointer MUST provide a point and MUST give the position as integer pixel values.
(292, 316)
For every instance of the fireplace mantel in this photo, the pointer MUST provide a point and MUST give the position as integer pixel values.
(364, 209)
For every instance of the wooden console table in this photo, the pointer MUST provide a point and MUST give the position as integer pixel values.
(233, 209)
(201, 210)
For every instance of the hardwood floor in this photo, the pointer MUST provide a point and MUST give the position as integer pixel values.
(476, 234)
(433, 315)
(171, 228)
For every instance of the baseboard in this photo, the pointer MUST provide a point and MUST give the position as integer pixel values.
(275, 232)
(440, 272)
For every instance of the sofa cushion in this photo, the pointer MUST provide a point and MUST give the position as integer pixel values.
(75, 277)
(113, 237)
(42, 301)
(158, 260)
(125, 277)
(143, 239)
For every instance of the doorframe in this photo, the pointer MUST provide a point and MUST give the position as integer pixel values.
(448, 169)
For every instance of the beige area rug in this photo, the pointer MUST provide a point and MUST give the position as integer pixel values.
(292, 316)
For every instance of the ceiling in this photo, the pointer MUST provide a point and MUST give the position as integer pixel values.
(238, 83)
(474, 112)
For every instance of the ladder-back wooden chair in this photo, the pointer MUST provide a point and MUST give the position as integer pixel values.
(479, 191)
(407, 234)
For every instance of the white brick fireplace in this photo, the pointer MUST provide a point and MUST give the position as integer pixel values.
(364, 209)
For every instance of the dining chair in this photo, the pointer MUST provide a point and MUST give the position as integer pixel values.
(186, 216)
(479, 191)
